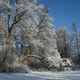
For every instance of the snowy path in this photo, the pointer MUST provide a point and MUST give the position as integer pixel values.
(42, 76)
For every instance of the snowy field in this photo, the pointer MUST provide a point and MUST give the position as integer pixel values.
(42, 76)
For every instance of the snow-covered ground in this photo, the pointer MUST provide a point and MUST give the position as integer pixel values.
(42, 76)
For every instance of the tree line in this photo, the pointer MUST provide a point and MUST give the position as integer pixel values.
(26, 30)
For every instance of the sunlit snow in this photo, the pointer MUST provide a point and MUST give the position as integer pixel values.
(42, 76)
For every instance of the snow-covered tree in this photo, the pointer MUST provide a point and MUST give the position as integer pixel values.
(19, 14)
(47, 36)
(29, 25)
(74, 44)
(63, 42)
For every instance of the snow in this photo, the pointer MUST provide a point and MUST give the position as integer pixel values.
(42, 76)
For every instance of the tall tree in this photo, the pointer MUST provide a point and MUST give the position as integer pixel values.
(46, 34)
(28, 21)
(75, 31)
(16, 13)
(63, 42)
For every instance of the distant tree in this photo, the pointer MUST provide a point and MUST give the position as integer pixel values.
(74, 44)
(75, 31)
(79, 41)
(63, 42)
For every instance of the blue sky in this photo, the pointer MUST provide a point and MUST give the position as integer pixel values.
(64, 12)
